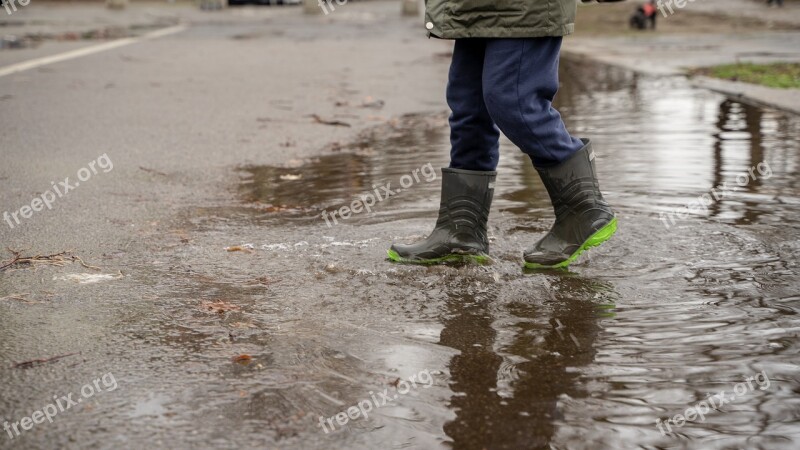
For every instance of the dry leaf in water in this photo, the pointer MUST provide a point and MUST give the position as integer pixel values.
(238, 248)
(219, 306)
(243, 359)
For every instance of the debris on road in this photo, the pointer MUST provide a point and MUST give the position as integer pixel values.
(157, 172)
(20, 298)
(242, 359)
(56, 259)
(335, 123)
(39, 361)
(246, 248)
(370, 102)
(266, 281)
(219, 306)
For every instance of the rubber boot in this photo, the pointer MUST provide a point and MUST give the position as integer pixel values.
(460, 232)
(583, 218)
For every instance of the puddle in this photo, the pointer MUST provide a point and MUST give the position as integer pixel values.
(641, 329)
(329, 182)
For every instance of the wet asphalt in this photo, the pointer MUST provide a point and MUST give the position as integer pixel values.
(226, 313)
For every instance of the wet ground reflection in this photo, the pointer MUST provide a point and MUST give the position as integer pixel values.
(515, 369)
(639, 329)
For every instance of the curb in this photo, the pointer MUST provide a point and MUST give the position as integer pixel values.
(784, 99)
(787, 100)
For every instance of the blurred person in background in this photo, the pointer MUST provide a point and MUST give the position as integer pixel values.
(503, 77)
(644, 13)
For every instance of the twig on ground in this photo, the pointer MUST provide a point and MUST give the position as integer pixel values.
(157, 172)
(20, 298)
(56, 259)
(78, 258)
(34, 362)
(335, 123)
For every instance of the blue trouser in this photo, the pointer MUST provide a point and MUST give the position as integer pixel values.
(506, 85)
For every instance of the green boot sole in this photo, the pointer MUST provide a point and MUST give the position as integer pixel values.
(453, 257)
(600, 236)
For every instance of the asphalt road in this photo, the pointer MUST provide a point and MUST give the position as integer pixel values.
(212, 306)
(230, 89)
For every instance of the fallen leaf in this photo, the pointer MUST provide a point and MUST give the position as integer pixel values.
(219, 306)
(243, 359)
(247, 248)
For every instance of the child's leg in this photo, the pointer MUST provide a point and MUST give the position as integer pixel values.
(474, 138)
(468, 184)
(520, 79)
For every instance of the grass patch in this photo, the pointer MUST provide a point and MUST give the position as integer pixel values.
(777, 75)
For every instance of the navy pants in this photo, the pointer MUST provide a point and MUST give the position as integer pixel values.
(506, 85)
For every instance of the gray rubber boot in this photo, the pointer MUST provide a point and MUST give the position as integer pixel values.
(583, 218)
(460, 232)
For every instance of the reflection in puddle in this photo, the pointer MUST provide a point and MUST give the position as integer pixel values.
(516, 368)
(378, 162)
(640, 329)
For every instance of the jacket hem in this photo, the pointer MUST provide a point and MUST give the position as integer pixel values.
(515, 32)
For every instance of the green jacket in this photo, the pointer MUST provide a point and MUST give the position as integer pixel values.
(499, 18)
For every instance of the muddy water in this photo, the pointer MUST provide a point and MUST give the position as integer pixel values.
(642, 328)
